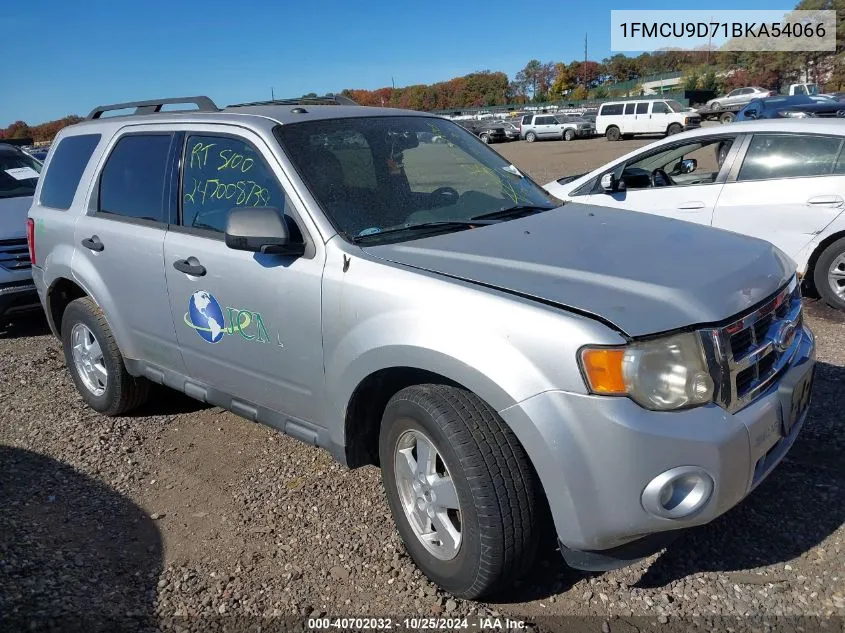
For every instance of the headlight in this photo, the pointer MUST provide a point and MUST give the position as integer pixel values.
(797, 115)
(662, 374)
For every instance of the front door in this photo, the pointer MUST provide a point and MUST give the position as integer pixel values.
(787, 190)
(119, 245)
(656, 182)
(642, 118)
(248, 324)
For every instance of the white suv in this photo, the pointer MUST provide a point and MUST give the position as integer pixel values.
(654, 116)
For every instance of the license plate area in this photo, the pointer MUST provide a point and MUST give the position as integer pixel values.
(795, 390)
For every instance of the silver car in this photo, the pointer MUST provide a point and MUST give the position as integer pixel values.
(535, 127)
(427, 308)
(737, 97)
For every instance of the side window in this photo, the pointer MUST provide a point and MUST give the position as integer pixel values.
(659, 108)
(708, 154)
(642, 108)
(629, 108)
(611, 109)
(133, 181)
(732, 93)
(220, 173)
(789, 156)
(69, 160)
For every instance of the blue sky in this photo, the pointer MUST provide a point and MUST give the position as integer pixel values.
(66, 57)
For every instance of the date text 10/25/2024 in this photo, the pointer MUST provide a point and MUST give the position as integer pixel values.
(417, 624)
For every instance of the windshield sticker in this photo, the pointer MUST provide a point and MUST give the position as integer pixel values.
(22, 173)
(511, 169)
(370, 231)
(207, 319)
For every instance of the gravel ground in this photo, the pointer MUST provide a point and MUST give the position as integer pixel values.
(188, 517)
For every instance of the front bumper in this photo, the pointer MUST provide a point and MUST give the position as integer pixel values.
(18, 297)
(595, 456)
(694, 124)
(585, 132)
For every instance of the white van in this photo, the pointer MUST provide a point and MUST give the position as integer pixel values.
(652, 116)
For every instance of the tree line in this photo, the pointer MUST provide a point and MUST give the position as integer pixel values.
(615, 76)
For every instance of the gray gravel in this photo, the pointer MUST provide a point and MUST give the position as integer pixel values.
(185, 517)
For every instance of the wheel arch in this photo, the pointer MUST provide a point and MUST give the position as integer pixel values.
(807, 281)
(59, 296)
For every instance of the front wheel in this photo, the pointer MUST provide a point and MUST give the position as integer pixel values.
(612, 133)
(531, 137)
(568, 135)
(674, 129)
(460, 487)
(715, 106)
(95, 362)
(485, 138)
(727, 117)
(829, 274)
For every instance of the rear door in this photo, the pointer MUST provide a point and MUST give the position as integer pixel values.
(119, 243)
(786, 190)
(641, 117)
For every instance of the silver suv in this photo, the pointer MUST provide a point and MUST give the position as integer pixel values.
(19, 174)
(427, 308)
(538, 127)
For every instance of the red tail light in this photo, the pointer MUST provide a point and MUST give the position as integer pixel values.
(30, 239)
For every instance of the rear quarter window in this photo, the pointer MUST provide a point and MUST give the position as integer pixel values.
(611, 109)
(69, 160)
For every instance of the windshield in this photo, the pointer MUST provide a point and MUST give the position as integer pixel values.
(18, 174)
(675, 106)
(375, 175)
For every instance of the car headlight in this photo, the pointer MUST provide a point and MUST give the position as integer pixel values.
(797, 115)
(662, 374)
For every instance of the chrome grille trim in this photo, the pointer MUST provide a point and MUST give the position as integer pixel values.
(14, 254)
(762, 352)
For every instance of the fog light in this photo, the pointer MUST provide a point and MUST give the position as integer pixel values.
(678, 493)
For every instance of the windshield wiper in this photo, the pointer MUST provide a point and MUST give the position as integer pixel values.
(512, 212)
(445, 224)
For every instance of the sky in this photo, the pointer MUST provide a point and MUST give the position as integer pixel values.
(65, 58)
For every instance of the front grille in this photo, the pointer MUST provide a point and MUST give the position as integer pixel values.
(752, 352)
(14, 255)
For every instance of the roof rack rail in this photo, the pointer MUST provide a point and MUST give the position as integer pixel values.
(329, 99)
(154, 106)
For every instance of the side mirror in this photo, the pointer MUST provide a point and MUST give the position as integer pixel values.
(688, 165)
(610, 183)
(751, 114)
(261, 230)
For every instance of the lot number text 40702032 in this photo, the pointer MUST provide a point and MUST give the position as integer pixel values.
(417, 624)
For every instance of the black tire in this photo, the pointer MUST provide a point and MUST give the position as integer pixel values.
(568, 135)
(531, 137)
(612, 133)
(727, 117)
(674, 128)
(123, 392)
(715, 106)
(496, 486)
(832, 257)
(485, 138)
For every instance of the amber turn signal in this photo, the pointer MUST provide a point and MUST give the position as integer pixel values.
(603, 369)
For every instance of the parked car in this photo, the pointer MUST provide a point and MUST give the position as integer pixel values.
(798, 107)
(488, 130)
(738, 97)
(653, 116)
(512, 131)
(548, 126)
(19, 173)
(428, 309)
(778, 180)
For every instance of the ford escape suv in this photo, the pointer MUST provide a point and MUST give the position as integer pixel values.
(19, 174)
(427, 308)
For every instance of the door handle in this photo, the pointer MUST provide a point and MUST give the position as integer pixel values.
(190, 266)
(691, 206)
(826, 201)
(93, 243)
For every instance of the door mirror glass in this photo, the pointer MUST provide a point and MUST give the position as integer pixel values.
(688, 165)
(261, 230)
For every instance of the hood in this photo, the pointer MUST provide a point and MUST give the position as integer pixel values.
(642, 273)
(13, 212)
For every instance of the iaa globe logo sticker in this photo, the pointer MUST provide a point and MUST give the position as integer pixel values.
(205, 316)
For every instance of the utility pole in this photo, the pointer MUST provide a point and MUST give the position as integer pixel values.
(392, 83)
(709, 38)
(272, 94)
(585, 61)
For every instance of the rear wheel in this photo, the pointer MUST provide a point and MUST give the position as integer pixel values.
(95, 362)
(612, 133)
(674, 129)
(829, 274)
(461, 489)
(531, 137)
(568, 135)
(727, 117)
